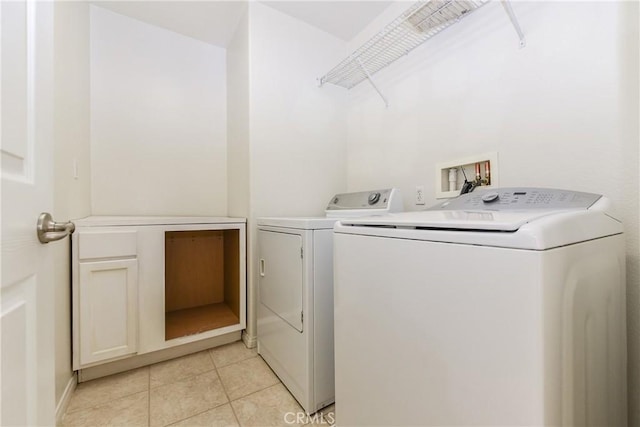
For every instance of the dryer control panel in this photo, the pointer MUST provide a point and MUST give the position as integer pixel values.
(376, 200)
(520, 198)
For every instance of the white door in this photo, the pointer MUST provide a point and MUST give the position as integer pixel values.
(281, 272)
(26, 151)
(108, 309)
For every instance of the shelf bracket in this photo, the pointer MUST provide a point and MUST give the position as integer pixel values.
(364, 70)
(512, 16)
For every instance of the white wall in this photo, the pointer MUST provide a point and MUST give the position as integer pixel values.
(551, 110)
(562, 112)
(158, 120)
(238, 140)
(629, 91)
(72, 198)
(294, 139)
(298, 130)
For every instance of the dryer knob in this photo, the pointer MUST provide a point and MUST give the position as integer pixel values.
(373, 198)
(490, 197)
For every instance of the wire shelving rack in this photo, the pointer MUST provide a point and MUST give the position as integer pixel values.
(419, 23)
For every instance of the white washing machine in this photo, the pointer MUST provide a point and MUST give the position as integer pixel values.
(295, 310)
(498, 308)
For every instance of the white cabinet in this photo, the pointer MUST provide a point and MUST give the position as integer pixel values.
(147, 284)
(108, 309)
(105, 294)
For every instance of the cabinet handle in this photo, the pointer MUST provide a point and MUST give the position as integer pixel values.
(261, 267)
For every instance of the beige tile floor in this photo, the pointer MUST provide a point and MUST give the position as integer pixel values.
(225, 386)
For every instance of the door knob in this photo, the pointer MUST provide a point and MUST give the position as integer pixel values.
(50, 231)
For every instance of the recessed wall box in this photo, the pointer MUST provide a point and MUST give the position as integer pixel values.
(481, 167)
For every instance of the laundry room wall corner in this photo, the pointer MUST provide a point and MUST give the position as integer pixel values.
(629, 90)
(72, 169)
(238, 143)
(297, 131)
(238, 169)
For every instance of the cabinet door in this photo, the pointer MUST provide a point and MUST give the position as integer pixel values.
(108, 309)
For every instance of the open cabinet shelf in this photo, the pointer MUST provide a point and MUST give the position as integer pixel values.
(198, 319)
(201, 281)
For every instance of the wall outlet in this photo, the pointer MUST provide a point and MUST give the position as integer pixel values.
(419, 195)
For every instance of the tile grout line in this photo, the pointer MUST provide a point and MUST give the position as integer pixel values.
(150, 388)
(90, 412)
(249, 394)
(85, 408)
(278, 382)
(201, 373)
(237, 361)
(107, 401)
(192, 376)
(262, 389)
(215, 368)
(224, 388)
(195, 415)
(181, 379)
(274, 385)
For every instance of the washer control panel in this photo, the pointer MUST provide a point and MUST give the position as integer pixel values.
(520, 198)
(375, 199)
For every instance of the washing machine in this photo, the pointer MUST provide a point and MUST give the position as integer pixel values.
(497, 308)
(295, 288)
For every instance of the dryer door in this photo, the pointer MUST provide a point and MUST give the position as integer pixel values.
(281, 272)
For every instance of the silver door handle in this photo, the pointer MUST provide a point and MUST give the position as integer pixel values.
(50, 231)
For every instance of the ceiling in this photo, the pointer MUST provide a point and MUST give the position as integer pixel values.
(210, 21)
(343, 19)
(215, 21)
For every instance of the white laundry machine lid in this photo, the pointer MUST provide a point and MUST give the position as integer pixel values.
(453, 220)
(522, 218)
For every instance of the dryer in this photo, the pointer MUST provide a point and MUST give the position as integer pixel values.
(295, 288)
(497, 308)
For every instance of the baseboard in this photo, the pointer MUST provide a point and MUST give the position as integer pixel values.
(133, 362)
(61, 408)
(249, 340)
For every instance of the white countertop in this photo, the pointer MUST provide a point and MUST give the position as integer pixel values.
(105, 221)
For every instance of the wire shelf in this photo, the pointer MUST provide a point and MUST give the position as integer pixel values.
(415, 26)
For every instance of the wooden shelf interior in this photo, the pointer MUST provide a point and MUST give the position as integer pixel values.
(195, 320)
(202, 281)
